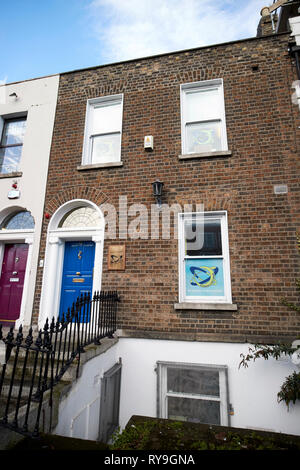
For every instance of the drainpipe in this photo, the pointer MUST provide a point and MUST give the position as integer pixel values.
(297, 61)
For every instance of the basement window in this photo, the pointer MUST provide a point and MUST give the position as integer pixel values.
(196, 393)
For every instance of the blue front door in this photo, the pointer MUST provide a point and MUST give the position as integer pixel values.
(77, 275)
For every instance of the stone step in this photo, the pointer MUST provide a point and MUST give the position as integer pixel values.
(49, 414)
(67, 375)
(16, 388)
(12, 405)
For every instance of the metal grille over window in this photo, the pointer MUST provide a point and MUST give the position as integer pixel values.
(195, 385)
(20, 221)
(194, 393)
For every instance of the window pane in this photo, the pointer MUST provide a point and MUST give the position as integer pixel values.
(20, 221)
(106, 148)
(202, 104)
(204, 277)
(10, 158)
(203, 137)
(194, 411)
(80, 217)
(202, 382)
(106, 118)
(13, 132)
(211, 238)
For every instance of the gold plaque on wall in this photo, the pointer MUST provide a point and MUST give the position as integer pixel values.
(116, 257)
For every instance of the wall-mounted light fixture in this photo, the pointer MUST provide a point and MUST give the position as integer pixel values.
(157, 191)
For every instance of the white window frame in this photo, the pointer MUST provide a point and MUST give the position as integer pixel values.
(91, 104)
(163, 394)
(3, 120)
(192, 87)
(222, 216)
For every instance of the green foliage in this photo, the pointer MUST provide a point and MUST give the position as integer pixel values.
(156, 434)
(290, 389)
(134, 437)
(265, 351)
(292, 305)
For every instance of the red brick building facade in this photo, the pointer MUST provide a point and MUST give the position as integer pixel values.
(262, 126)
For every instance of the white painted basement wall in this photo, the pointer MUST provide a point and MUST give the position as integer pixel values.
(79, 412)
(252, 391)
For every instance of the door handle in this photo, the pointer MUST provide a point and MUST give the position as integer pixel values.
(15, 272)
(78, 273)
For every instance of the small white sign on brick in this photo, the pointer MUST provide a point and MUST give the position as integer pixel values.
(280, 189)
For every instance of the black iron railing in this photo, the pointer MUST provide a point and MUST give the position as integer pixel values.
(32, 366)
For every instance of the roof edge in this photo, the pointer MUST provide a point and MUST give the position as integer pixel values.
(181, 51)
(31, 79)
(164, 54)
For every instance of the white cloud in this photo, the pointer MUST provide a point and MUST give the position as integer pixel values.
(129, 29)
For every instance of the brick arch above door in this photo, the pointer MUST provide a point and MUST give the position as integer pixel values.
(77, 192)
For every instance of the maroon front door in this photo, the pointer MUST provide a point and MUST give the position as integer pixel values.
(12, 281)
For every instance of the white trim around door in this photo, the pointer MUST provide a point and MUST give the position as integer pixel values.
(54, 257)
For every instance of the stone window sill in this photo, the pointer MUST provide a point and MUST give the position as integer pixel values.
(13, 174)
(205, 306)
(96, 166)
(219, 153)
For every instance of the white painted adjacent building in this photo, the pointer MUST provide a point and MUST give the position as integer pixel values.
(27, 112)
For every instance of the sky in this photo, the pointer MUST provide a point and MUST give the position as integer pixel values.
(45, 37)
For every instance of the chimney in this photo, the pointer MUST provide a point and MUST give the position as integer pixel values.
(267, 24)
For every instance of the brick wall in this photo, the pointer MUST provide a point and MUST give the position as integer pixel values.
(262, 129)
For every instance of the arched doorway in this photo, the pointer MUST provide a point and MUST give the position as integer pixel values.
(73, 259)
(16, 239)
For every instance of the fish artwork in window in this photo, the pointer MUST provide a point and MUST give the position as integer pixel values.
(203, 276)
